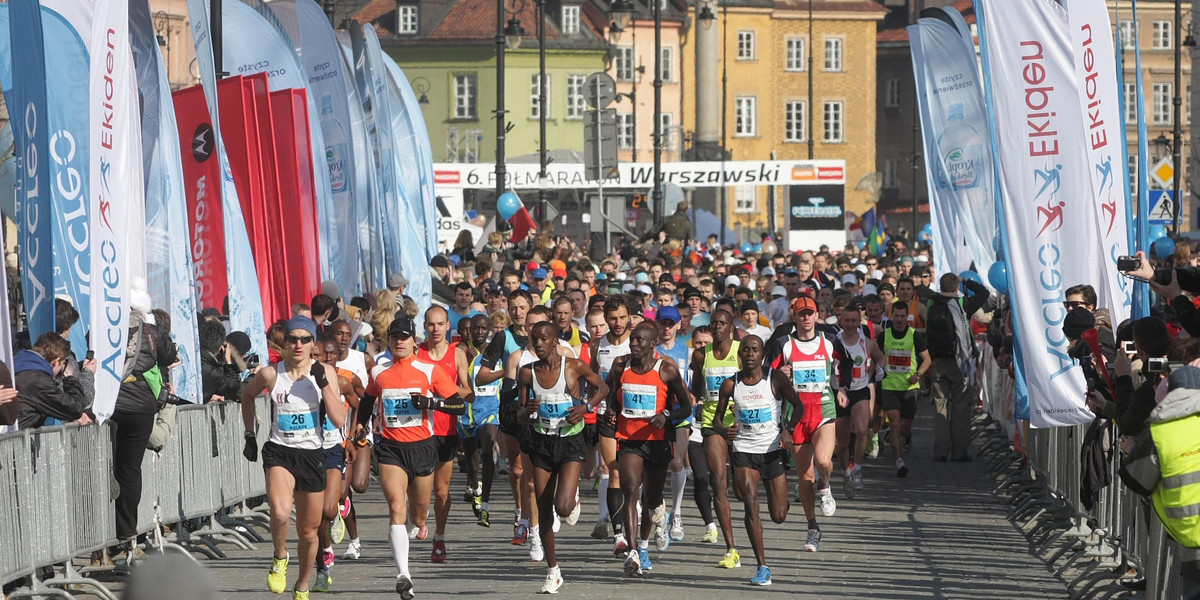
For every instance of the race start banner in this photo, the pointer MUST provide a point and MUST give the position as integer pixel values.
(732, 173)
(1036, 126)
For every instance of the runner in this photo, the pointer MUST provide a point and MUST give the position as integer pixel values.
(904, 345)
(477, 428)
(605, 350)
(361, 365)
(701, 482)
(452, 360)
(334, 439)
(670, 347)
(711, 366)
(758, 394)
(855, 417)
(650, 396)
(410, 391)
(556, 445)
(293, 458)
(808, 359)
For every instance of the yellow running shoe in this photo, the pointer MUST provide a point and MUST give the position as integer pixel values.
(299, 595)
(732, 560)
(277, 576)
(710, 536)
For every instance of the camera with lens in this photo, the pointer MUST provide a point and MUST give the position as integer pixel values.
(252, 361)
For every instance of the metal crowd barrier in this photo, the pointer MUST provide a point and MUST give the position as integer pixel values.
(57, 495)
(1040, 472)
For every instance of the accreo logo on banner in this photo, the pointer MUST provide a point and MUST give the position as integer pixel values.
(114, 338)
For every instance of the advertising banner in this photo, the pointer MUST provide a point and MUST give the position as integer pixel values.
(202, 189)
(688, 175)
(297, 209)
(1046, 192)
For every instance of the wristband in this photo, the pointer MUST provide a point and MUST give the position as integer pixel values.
(666, 414)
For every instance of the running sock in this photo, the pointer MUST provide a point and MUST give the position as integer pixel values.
(812, 524)
(678, 482)
(849, 470)
(439, 538)
(710, 527)
(858, 468)
(523, 522)
(643, 544)
(329, 550)
(398, 536)
(604, 514)
(483, 505)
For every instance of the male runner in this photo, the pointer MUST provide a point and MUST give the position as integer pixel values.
(452, 360)
(758, 394)
(477, 428)
(670, 347)
(648, 399)
(903, 345)
(556, 444)
(301, 397)
(808, 359)
(334, 443)
(711, 366)
(409, 391)
(605, 350)
(361, 364)
(855, 417)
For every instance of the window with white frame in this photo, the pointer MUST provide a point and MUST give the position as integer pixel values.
(666, 70)
(1161, 99)
(406, 19)
(745, 47)
(1187, 105)
(535, 100)
(794, 121)
(892, 93)
(794, 51)
(746, 116)
(833, 54)
(1162, 35)
(891, 173)
(570, 19)
(745, 199)
(623, 62)
(1130, 103)
(834, 122)
(624, 131)
(1128, 31)
(1133, 172)
(465, 92)
(575, 99)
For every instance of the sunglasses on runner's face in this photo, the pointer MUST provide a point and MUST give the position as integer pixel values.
(301, 339)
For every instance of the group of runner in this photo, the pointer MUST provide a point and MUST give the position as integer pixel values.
(636, 404)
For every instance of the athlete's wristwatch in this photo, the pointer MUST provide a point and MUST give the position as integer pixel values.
(666, 414)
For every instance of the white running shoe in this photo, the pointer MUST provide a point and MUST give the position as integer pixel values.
(573, 518)
(814, 540)
(676, 528)
(353, 551)
(553, 581)
(662, 539)
(557, 523)
(828, 504)
(536, 553)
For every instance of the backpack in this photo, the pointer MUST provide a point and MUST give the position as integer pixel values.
(152, 375)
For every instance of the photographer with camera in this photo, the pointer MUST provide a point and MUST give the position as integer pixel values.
(1176, 286)
(220, 376)
(1132, 404)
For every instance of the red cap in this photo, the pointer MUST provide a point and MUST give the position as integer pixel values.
(804, 303)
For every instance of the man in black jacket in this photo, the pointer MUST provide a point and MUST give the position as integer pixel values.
(221, 378)
(951, 350)
(39, 396)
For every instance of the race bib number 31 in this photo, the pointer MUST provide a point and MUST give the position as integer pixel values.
(552, 410)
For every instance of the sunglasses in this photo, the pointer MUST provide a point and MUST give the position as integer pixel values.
(1072, 304)
(301, 339)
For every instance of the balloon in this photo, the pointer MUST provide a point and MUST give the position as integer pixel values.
(925, 236)
(1163, 247)
(1157, 231)
(769, 247)
(971, 275)
(747, 248)
(757, 248)
(998, 276)
(508, 205)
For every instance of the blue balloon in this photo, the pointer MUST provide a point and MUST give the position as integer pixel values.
(971, 275)
(747, 248)
(1157, 231)
(508, 205)
(757, 248)
(1163, 247)
(998, 276)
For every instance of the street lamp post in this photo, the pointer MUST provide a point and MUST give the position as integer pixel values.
(657, 193)
(811, 47)
(543, 156)
(507, 36)
(1177, 102)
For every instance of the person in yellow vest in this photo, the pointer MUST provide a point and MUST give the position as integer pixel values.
(1173, 481)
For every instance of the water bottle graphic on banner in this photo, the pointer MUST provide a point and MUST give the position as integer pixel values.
(961, 148)
(335, 149)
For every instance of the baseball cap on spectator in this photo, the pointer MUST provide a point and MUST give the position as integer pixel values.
(861, 268)
(869, 289)
(440, 261)
(539, 274)
(330, 288)
(628, 287)
(922, 259)
(645, 289)
(1186, 377)
(601, 276)
(876, 274)
(768, 271)
(622, 276)
(456, 259)
(532, 266)
(732, 281)
(557, 264)
(240, 342)
(492, 288)
(778, 291)
(849, 278)
(641, 277)
(666, 278)
(559, 273)
(401, 327)
(668, 313)
(396, 280)
(804, 303)
(692, 293)
(210, 313)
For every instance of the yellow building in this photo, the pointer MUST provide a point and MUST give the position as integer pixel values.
(765, 61)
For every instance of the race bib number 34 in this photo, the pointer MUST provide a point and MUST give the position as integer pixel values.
(810, 375)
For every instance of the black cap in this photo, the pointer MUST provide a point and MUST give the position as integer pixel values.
(693, 293)
(440, 261)
(240, 342)
(402, 327)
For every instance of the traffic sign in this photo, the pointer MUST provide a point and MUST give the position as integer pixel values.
(600, 144)
(1162, 207)
(1163, 172)
(599, 90)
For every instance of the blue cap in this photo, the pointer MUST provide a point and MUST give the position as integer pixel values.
(668, 313)
(1187, 377)
(304, 323)
(539, 273)
(601, 276)
(642, 277)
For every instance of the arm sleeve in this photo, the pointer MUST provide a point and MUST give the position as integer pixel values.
(978, 298)
(494, 353)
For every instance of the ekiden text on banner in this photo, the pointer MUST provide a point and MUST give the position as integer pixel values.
(116, 176)
(1046, 192)
(1104, 142)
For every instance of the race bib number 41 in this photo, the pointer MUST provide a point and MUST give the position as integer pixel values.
(638, 401)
